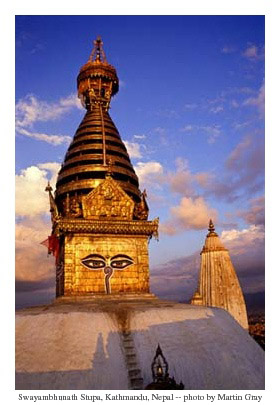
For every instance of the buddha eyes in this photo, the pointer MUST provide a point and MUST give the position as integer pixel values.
(96, 262)
(121, 261)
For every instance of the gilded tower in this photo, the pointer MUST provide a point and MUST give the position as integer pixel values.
(218, 283)
(100, 220)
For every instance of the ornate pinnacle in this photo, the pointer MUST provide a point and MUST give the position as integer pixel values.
(49, 187)
(98, 53)
(211, 228)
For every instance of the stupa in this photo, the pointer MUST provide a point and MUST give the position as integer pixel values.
(100, 227)
(103, 329)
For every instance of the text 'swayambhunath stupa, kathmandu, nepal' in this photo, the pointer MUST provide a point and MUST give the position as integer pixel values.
(105, 330)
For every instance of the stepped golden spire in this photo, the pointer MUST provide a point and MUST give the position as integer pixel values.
(218, 283)
(101, 215)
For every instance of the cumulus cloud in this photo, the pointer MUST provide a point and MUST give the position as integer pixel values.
(177, 279)
(190, 106)
(253, 52)
(243, 173)
(247, 252)
(31, 198)
(133, 149)
(255, 215)
(32, 261)
(238, 241)
(228, 49)
(51, 139)
(149, 172)
(217, 109)
(34, 268)
(258, 101)
(234, 103)
(180, 181)
(213, 131)
(142, 136)
(188, 128)
(30, 110)
(191, 213)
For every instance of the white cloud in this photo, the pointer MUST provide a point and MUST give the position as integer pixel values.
(217, 109)
(142, 136)
(32, 262)
(188, 128)
(190, 106)
(31, 198)
(228, 49)
(233, 160)
(133, 149)
(239, 241)
(252, 52)
(191, 213)
(30, 109)
(234, 103)
(255, 215)
(148, 172)
(181, 180)
(213, 131)
(258, 101)
(51, 139)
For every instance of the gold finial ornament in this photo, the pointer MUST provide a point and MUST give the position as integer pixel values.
(97, 81)
(98, 53)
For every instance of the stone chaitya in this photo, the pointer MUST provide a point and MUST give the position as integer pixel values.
(218, 283)
(100, 227)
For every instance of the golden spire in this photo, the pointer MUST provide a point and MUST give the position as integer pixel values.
(98, 54)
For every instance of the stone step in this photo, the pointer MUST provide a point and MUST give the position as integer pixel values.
(132, 363)
(135, 372)
(128, 346)
(126, 335)
(137, 383)
(130, 351)
(130, 357)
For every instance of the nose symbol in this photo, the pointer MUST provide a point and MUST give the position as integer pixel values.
(108, 271)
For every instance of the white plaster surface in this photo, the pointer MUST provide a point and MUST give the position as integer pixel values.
(205, 348)
(69, 351)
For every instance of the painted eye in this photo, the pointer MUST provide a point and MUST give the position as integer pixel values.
(94, 262)
(121, 261)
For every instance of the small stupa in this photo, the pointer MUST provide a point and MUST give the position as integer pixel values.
(218, 283)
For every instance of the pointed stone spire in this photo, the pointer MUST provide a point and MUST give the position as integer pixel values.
(211, 228)
(218, 283)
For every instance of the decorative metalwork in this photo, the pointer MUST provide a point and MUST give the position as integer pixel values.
(98, 208)
(161, 379)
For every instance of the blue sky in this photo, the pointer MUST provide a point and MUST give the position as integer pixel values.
(191, 111)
